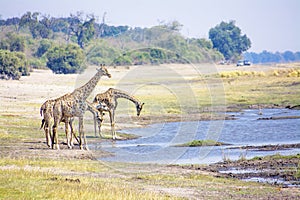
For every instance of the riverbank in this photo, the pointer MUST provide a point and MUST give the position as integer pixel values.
(277, 170)
(29, 169)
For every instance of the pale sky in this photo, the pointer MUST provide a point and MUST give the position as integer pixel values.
(272, 25)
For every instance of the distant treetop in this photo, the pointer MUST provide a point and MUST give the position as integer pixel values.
(228, 39)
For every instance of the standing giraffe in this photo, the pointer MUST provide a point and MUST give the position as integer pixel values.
(46, 112)
(74, 105)
(109, 98)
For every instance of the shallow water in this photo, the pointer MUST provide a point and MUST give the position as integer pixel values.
(274, 181)
(156, 144)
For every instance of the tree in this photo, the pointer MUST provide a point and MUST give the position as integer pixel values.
(269, 57)
(13, 42)
(289, 56)
(38, 26)
(100, 51)
(227, 38)
(82, 29)
(43, 48)
(202, 43)
(66, 59)
(13, 65)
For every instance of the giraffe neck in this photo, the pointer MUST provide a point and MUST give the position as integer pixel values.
(84, 91)
(121, 94)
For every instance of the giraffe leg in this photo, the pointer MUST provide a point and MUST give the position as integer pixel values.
(112, 124)
(114, 135)
(99, 129)
(72, 132)
(99, 121)
(81, 134)
(95, 120)
(54, 137)
(47, 134)
(68, 136)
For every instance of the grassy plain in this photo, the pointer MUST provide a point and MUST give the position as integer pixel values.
(29, 170)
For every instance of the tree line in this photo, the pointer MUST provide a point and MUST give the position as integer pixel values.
(269, 57)
(78, 27)
(68, 44)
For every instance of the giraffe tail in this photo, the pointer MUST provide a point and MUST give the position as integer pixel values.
(43, 123)
(41, 111)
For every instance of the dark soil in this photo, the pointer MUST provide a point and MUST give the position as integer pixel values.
(277, 170)
(268, 147)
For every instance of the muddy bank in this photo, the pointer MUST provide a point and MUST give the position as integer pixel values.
(268, 147)
(276, 170)
(278, 118)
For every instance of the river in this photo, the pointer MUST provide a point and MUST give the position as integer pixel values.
(156, 143)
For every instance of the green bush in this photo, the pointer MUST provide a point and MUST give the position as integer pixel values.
(13, 65)
(37, 63)
(13, 42)
(123, 60)
(44, 46)
(100, 52)
(66, 59)
(157, 56)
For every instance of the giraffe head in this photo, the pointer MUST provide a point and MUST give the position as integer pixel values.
(139, 107)
(103, 70)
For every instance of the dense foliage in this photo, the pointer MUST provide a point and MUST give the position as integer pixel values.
(13, 65)
(13, 42)
(45, 40)
(227, 38)
(65, 59)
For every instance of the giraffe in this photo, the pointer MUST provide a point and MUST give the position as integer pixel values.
(98, 118)
(74, 105)
(46, 112)
(109, 98)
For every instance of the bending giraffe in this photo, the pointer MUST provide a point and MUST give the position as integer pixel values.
(98, 118)
(74, 105)
(109, 98)
(46, 112)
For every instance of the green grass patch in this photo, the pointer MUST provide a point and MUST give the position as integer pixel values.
(276, 156)
(124, 136)
(198, 143)
(19, 127)
(69, 165)
(28, 184)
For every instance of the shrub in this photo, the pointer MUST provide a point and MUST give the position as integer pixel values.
(294, 73)
(123, 60)
(13, 65)
(37, 63)
(44, 46)
(100, 52)
(13, 42)
(66, 59)
(275, 73)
